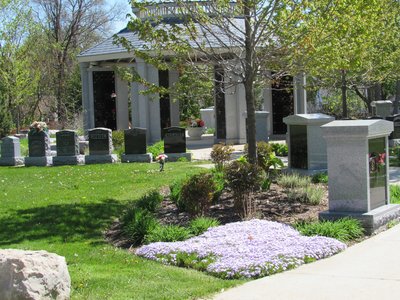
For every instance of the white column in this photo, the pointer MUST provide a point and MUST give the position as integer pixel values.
(231, 109)
(241, 113)
(300, 94)
(267, 96)
(91, 99)
(135, 103)
(154, 106)
(88, 113)
(142, 100)
(122, 106)
(173, 76)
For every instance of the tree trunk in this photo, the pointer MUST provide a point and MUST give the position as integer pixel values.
(344, 96)
(249, 85)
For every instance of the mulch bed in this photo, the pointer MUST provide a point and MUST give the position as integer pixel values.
(272, 205)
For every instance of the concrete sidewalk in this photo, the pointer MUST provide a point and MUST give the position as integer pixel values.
(368, 270)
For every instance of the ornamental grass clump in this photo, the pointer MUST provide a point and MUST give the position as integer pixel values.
(249, 249)
(290, 181)
(167, 233)
(200, 225)
(150, 201)
(346, 229)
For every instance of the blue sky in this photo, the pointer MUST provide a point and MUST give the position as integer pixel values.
(125, 4)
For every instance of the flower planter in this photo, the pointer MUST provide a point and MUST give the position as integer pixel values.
(195, 133)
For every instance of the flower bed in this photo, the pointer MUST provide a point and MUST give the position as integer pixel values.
(248, 249)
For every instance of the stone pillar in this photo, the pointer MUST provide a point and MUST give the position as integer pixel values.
(241, 113)
(231, 109)
(382, 108)
(154, 106)
(122, 105)
(358, 172)
(174, 104)
(135, 102)
(142, 102)
(267, 96)
(88, 112)
(300, 94)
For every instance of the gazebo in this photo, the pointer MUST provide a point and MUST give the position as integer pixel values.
(108, 99)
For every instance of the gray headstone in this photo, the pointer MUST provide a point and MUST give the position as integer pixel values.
(10, 147)
(174, 140)
(396, 123)
(100, 141)
(135, 141)
(67, 143)
(39, 144)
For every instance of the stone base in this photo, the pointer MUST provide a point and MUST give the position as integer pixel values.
(12, 161)
(304, 172)
(69, 160)
(101, 159)
(41, 161)
(175, 156)
(371, 221)
(128, 158)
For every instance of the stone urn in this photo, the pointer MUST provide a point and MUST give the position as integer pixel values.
(195, 133)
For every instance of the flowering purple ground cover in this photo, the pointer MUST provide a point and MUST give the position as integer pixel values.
(247, 249)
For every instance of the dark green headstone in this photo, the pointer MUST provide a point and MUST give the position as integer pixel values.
(100, 141)
(39, 144)
(135, 141)
(174, 140)
(67, 143)
(298, 147)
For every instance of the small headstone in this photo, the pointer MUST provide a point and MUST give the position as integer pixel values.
(39, 144)
(135, 141)
(100, 141)
(174, 140)
(135, 146)
(396, 124)
(11, 152)
(39, 149)
(100, 147)
(67, 149)
(175, 144)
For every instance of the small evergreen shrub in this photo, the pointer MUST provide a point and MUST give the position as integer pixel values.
(290, 181)
(220, 155)
(167, 233)
(320, 178)
(197, 194)
(118, 139)
(201, 224)
(156, 149)
(280, 149)
(136, 224)
(344, 230)
(243, 179)
(150, 201)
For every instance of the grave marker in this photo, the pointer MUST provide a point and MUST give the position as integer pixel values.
(67, 144)
(11, 152)
(175, 143)
(136, 146)
(100, 147)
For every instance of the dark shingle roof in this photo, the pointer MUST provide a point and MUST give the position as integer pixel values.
(108, 46)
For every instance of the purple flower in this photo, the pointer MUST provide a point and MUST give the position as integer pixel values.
(244, 249)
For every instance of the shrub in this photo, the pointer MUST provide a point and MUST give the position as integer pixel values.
(266, 157)
(201, 224)
(182, 159)
(220, 155)
(279, 149)
(150, 201)
(167, 233)
(136, 224)
(345, 229)
(210, 131)
(290, 181)
(156, 149)
(175, 195)
(197, 193)
(310, 194)
(319, 178)
(118, 139)
(243, 179)
(219, 182)
(394, 193)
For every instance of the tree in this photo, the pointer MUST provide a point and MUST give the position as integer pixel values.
(70, 26)
(238, 37)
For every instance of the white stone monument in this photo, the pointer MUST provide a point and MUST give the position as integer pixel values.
(382, 108)
(358, 172)
(307, 148)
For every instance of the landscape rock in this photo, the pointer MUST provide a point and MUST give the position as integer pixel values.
(33, 275)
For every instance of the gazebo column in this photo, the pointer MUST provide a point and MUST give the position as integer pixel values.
(154, 127)
(267, 96)
(135, 102)
(300, 94)
(122, 106)
(141, 103)
(241, 113)
(87, 101)
(174, 105)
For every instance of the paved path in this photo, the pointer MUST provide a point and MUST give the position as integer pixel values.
(368, 270)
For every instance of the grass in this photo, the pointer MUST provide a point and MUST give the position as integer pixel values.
(395, 194)
(66, 209)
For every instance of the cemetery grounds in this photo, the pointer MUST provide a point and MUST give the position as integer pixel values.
(66, 210)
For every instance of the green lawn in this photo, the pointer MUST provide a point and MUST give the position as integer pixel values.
(66, 209)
